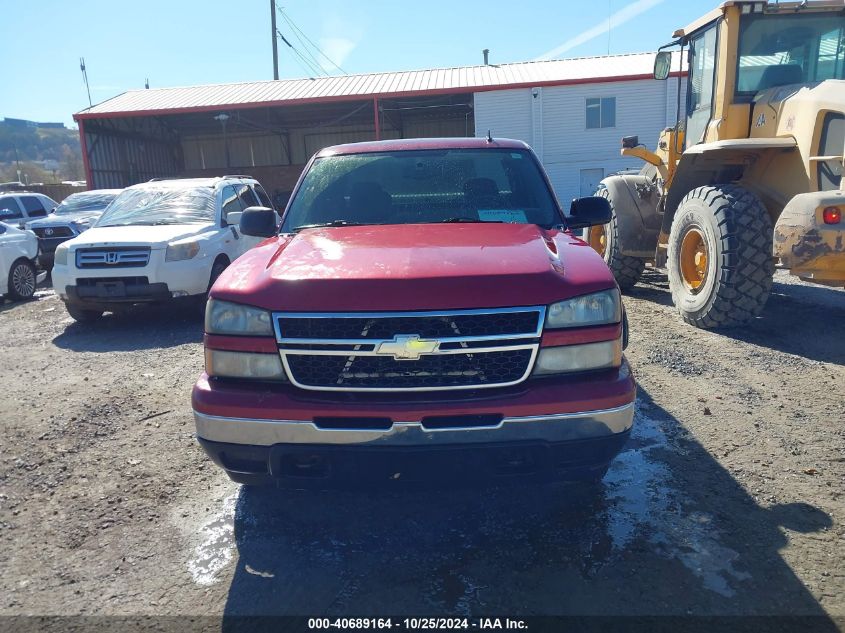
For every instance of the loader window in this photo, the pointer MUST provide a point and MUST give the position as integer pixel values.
(702, 69)
(793, 48)
(832, 142)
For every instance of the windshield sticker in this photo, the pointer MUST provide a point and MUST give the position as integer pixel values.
(502, 215)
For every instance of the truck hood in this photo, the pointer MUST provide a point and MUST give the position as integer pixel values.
(414, 267)
(154, 236)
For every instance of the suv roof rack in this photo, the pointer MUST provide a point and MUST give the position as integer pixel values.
(237, 176)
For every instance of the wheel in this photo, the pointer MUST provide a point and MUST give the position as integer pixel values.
(81, 315)
(720, 256)
(216, 270)
(605, 241)
(22, 280)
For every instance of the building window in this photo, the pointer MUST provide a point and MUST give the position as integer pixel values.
(601, 112)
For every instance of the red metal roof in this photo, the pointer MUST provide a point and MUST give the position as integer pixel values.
(420, 143)
(355, 87)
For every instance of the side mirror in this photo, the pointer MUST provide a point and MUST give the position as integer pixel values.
(588, 211)
(234, 218)
(662, 65)
(259, 222)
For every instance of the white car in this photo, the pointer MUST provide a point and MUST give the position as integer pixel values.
(18, 250)
(156, 241)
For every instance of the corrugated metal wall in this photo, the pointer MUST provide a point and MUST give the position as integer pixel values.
(554, 123)
(119, 158)
(297, 145)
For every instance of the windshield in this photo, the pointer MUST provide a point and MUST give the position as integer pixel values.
(777, 50)
(160, 205)
(426, 186)
(79, 202)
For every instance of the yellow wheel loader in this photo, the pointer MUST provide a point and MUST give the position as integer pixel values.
(751, 175)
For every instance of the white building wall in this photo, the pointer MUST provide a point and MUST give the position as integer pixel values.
(553, 121)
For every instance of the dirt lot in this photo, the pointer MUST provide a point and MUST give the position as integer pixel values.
(729, 499)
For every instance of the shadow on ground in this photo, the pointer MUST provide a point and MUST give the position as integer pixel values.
(141, 327)
(668, 532)
(800, 319)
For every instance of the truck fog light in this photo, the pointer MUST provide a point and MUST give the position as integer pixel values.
(570, 358)
(243, 365)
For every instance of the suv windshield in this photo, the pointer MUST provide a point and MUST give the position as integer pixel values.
(777, 50)
(160, 205)
(79, 202)
(425, 186)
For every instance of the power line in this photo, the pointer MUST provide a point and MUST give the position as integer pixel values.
(314, 68)
(296, 29)
(302, 41)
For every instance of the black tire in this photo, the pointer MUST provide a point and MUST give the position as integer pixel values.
(626, 270)
(22, 280)
(81, 315)
(220, 264)
(737, 232)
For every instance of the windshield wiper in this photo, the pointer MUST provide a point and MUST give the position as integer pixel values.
(472, 220)
(333, 223)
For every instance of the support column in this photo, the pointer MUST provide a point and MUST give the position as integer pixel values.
(83, 145)
(377, 118)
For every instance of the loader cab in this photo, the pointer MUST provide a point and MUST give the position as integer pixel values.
(743, 48)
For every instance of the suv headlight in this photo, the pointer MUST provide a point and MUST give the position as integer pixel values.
(599, 308)
(222, 317)
(179, 251)
(60, 256)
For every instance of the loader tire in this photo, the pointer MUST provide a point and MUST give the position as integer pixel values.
(720, 256)
(626, 270)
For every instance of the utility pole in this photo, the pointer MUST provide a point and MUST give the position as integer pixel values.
(273, 33)
(85, 77)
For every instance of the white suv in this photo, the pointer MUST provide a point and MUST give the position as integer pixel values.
(156, 241)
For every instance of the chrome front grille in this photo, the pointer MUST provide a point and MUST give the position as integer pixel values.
(409, 351)
(115, 257)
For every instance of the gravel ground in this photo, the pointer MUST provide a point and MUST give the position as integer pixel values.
(727, 500)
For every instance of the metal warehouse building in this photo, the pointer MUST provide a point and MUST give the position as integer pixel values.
(573, 112)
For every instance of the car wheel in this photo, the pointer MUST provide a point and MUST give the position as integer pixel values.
(22, 280)
(83, 316)
(216, 270)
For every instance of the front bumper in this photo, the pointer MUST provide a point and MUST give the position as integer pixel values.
(163, 280)
(551, 428)
(809, 248)
(120, 291)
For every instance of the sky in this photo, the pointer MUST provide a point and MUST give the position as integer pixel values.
(189, 42)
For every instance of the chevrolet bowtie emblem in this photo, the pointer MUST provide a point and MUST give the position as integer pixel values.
(407, 347)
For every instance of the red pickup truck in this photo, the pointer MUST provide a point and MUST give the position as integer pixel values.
(423, 313)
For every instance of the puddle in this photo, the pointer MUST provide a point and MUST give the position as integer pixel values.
(642, 503)
(217, 546)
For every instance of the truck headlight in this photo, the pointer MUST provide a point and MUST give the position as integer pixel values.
(222, 317)
(226, 364)
(60, 256)
(179, 251)
(571, 358)
(599, 308)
